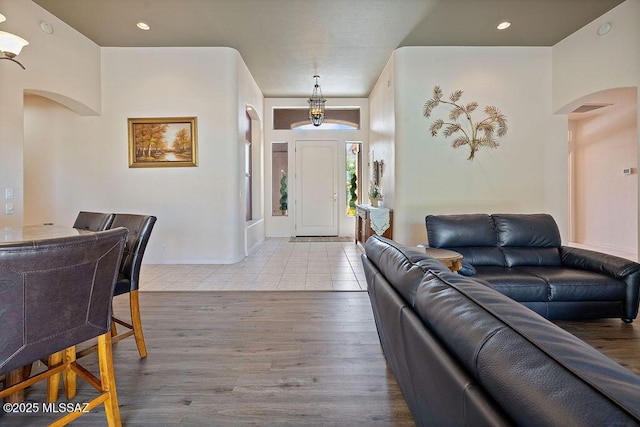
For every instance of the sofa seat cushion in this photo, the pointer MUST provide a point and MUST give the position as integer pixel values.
(578, 285)
(514, 283)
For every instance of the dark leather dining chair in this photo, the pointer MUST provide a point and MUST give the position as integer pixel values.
(93, 221)
(140, 227)
(54, 294)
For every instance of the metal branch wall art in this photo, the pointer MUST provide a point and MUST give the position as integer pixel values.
(484, 133)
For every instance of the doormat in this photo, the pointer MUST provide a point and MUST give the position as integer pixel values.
(320, 239)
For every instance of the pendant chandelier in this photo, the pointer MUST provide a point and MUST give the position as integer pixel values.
(316, 104)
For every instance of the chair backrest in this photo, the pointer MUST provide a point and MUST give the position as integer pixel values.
(55, 293)
(93, 221)
(140, 227)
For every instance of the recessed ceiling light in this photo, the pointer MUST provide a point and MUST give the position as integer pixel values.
(504, 25)
(46, 27)
(604, 28)
(143, 26)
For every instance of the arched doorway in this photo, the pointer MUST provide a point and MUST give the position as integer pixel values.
(603, 172)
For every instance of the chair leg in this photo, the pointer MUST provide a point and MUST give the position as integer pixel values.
(12, 378)
(69, 376)
(114, 329)
(137, 323)
(53, 382)
(26, 370)
(107, 377)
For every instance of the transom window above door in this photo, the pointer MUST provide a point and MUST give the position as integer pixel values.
(334, 119)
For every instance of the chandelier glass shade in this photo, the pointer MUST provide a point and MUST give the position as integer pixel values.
(10, 45)
(316, 104)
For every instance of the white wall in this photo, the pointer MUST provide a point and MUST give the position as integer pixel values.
(605, 201)
(586, 63)
(64, 65)
(50, 185)
(250, 101)
(382, 130)
(200, 209)
(284, 226)
(432, 177)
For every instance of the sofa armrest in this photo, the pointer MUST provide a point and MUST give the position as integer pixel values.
(598, 262)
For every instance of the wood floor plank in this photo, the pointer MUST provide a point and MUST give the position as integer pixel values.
(269, 359)
(249, 358)
(618, 340)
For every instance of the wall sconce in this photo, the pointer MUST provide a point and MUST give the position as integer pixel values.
(11, 45)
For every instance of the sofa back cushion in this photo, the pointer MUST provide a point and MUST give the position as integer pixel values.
(517, 356)
(528, 239)
(472, 235)
(403, 267)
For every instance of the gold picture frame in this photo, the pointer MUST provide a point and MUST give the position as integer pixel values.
(163, 142)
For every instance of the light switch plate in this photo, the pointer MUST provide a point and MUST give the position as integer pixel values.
(8, 209)
(8, 193)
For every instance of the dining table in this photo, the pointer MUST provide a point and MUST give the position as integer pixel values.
(28, 233)
(21, 234)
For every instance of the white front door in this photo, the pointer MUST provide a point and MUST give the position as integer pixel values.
(316, 188)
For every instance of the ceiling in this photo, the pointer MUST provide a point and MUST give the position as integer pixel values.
(347, 42)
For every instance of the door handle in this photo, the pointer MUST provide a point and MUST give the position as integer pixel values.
(335, 197)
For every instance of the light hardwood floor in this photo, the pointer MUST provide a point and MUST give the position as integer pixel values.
(616, 339)
(249, 358)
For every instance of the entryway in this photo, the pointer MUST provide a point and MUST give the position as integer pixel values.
(316, 188)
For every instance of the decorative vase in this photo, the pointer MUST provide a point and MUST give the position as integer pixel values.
(374, 202)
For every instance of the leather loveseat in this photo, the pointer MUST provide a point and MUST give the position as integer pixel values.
(464, 354)
(521, 256)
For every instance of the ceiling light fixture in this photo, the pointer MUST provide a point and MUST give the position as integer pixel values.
(46, 27)
(11, 45)
(316, 104)
(604, 29)
(504, 25)
(143, 26)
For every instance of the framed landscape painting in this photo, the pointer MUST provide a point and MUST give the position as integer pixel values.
(163, 142)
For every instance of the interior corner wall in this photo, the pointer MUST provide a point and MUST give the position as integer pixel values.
(434, 178)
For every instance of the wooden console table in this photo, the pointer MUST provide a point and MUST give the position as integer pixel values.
(363, 224)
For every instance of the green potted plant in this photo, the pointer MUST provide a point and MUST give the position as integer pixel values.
(353, 193)
(283, 193)
(375, 194)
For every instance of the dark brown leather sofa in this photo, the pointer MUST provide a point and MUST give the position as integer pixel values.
(521, 256)
(464, 354)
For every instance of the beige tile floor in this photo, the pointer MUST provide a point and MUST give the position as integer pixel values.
(276, 265)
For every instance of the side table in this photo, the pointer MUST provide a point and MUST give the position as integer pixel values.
(451, 259)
